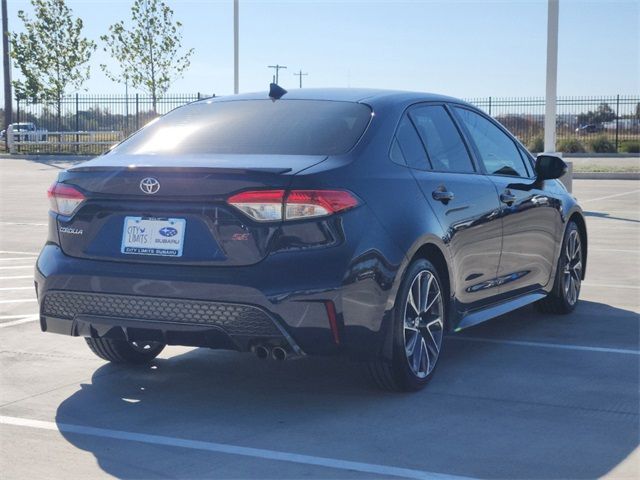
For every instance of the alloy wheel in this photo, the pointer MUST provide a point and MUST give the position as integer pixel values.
(423, 323)
(572, 274)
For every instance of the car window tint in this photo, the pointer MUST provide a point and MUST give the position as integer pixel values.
(442, 140)
(284, 127)
(498, 152)
(526, 158)
(411, 146)
(396, 154)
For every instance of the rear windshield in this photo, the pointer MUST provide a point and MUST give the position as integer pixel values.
(283, 127)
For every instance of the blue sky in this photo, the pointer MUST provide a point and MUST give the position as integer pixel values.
(459, 48)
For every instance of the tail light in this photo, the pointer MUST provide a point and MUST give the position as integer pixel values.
(64, 199)
(274, 205)
(261, 205)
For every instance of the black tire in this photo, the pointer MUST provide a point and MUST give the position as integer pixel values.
(560, 300)
(121, 351)
(397, 375)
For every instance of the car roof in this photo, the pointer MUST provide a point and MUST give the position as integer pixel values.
(363, 95)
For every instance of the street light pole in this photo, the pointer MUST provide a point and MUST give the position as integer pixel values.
(552, 77)
(6, 65)
(236, 46)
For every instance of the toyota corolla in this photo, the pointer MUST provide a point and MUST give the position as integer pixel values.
(360, 223)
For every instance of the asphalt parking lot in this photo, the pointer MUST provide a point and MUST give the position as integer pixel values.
(522, 396)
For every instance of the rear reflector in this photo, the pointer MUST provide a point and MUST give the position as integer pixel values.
(269, 205)
(64, 199)
(333, 320)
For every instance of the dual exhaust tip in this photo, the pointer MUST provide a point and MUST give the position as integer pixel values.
(264, 352)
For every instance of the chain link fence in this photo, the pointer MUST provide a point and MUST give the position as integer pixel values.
(604, 124)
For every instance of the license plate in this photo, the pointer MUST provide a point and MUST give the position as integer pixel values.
(153, 236)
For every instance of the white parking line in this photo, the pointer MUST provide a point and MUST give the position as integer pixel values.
(225, 448)
(16, 267)
(21, 300)
(13, 317)
(616, 250)
(6, 289)
(17, 277)
(17, 258)
(27, 319)
(609, 196)
(26, 224)
(611, 285)
(561, 346)
(13, 252)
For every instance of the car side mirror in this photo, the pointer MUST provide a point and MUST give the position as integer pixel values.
(549, 167)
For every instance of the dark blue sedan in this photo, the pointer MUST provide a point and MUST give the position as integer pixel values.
(365, 223)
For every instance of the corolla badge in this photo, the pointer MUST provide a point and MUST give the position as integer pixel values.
(168, 231)
(149, 185)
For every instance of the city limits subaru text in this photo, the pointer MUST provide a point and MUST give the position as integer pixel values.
(361, 223)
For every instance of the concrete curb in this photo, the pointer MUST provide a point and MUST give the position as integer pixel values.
(606, 175)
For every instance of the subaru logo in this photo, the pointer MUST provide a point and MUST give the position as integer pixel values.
(168, 231)
(149, 185)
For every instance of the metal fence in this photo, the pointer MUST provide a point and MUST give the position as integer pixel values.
(583, 124)
(603, 124)
(109, 118)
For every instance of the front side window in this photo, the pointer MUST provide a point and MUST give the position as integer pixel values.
(442, 140)
(497, 151)
(526, 157)
(284, 127)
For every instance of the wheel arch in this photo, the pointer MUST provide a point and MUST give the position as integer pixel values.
(579, 220)
(429, 249)
(431, 252)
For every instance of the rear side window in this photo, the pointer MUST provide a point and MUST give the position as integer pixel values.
(407, 148)
(283, 127)
(498, 152)
(442, 139)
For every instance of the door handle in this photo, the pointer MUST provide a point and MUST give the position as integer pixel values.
(540, 200)
(441, 194)
(507, 197)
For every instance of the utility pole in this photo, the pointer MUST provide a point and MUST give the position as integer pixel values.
(277, 69)
(6, 65)
(300, 75)
(236, 46)
(552, 77)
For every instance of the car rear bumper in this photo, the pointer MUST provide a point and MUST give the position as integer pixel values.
(230, 307)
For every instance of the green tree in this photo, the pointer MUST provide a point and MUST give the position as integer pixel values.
(149, 52)
(51, 54)
(604, 113)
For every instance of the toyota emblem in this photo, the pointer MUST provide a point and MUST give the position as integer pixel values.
(149, 185)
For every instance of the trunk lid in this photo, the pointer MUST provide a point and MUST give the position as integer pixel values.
(189, 207)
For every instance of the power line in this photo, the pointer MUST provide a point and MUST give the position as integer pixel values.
(277, 69)
(300, 75)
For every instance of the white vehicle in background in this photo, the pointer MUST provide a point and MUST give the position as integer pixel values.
(26, 132)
